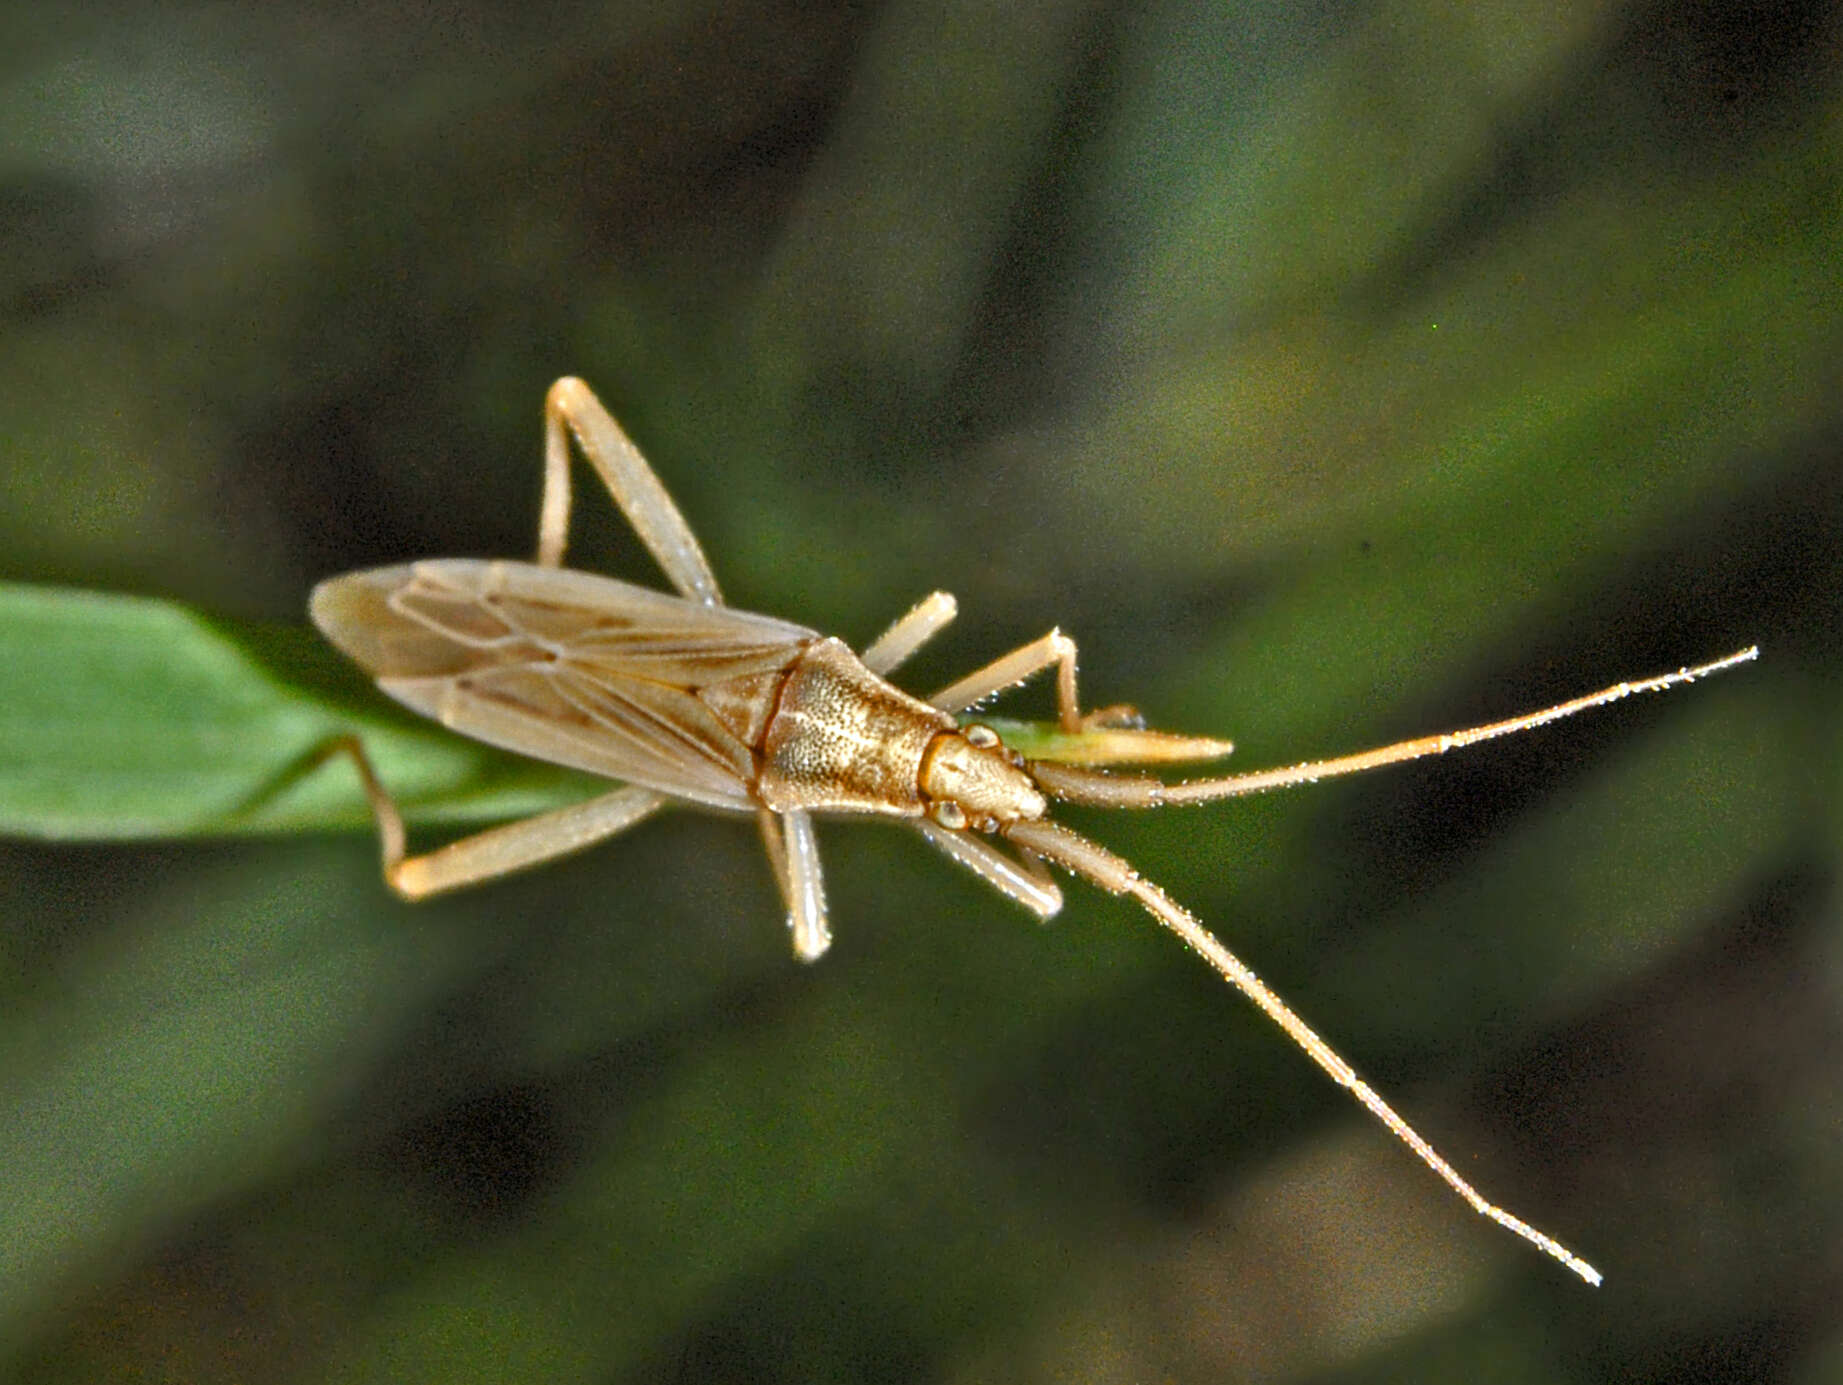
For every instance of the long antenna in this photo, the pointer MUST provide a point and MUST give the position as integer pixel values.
(1074, 784)
(1115, 875)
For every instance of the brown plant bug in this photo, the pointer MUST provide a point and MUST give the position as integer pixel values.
(683, 698)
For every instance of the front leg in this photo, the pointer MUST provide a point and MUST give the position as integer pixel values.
(1024, 663)
(1021, 664)
(1110, 736)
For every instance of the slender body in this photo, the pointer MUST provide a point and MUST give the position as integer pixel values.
(680, 697)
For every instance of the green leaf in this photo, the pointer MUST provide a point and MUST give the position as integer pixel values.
(124, 717)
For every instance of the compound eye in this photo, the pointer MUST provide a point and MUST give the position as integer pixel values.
(949, 814)
(980, 737)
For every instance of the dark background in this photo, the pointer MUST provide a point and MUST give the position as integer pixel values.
(1333, 372)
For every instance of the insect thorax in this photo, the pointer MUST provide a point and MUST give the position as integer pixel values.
(844, 740)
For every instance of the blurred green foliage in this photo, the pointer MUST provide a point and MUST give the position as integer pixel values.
(1333, 374)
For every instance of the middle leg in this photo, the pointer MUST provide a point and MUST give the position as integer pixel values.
(793, 852)
(926, 619)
